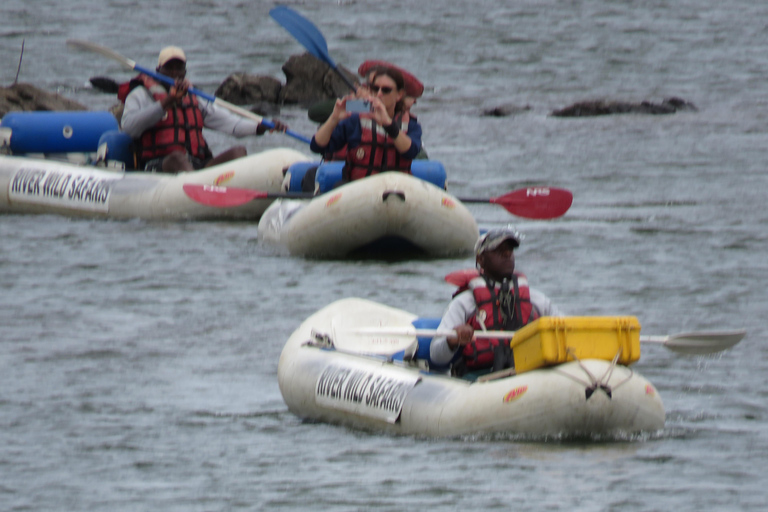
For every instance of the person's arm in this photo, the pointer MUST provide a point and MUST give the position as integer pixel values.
(414, 136)
(460, 310)
(543, 304)
(141, 112)
(347, 132)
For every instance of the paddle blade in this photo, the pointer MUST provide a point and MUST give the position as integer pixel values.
(221, 197)
(103, 50)
(701, 343)
(304, 31)
(536, 202)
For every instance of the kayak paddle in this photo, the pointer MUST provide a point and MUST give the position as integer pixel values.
(128, 63)
(692, 343)
(531, 203)
(308, 35)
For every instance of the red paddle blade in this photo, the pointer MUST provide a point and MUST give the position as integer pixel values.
(221, 197)
(536, 202)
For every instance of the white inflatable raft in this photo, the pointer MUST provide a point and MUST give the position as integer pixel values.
(332, 371)
(46, 186)
(79, 164)
(384, 214)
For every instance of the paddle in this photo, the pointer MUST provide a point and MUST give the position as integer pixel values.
(97, 48)
(308, 35)
(104, 84)
(530, 203)
(692, 343)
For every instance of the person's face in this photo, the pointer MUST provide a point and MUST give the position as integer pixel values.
(500, 262)
(174, 68)
(385, 89)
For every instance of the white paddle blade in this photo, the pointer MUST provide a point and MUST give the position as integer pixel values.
(97, 48)
(702, 343)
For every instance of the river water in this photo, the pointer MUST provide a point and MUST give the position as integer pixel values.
(138, 360)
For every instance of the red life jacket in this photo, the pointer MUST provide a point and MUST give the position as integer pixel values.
(488, 295)
(376, 152)
(180, 129)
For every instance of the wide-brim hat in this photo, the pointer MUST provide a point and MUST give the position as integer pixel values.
(413, 87)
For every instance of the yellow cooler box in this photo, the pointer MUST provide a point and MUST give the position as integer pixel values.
(553, 340)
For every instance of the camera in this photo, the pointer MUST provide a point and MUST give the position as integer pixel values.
(359, 106)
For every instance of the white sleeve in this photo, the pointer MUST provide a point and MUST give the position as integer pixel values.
(543, 304)
(141, 112)
(459, 311)
(222, 120)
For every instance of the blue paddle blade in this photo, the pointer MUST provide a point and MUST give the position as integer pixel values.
(304, 31)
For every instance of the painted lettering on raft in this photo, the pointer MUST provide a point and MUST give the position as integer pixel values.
(363, 388)
(332, 200)
(78, 188)
(223, 178)
(515, 394)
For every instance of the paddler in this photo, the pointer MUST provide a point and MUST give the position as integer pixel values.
(385, 138)
(166, 123)
(495, 298)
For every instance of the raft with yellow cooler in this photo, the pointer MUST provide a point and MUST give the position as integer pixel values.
(359, 363)
(79, 164)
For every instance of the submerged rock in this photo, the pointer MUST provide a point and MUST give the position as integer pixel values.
(602, 108)
(506, 110)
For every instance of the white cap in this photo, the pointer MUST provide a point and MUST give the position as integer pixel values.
(495, 237)
(170, 53)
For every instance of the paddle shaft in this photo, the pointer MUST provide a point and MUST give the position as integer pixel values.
(693, 343)
(86, 45)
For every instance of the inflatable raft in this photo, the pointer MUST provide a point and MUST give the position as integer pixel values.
(383, 215)
(351, 363)
(79, 164)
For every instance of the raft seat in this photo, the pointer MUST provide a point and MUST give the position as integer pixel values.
(422, 352)
(115, 149)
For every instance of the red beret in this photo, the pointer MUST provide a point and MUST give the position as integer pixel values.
(413, 87)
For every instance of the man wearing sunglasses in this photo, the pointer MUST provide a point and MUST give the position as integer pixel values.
(385, 139)
(166, 123)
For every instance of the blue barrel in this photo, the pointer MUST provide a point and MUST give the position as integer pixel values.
(57, 132)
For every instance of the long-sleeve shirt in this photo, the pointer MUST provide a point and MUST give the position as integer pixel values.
(462, 308)
(349, 133)
(142, 112)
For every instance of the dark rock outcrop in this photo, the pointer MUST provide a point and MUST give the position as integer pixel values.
(28, 97)
(244, 89)
(602, 108)
(309, 80)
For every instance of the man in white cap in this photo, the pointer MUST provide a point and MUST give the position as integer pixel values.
(166, 123)
(494, 298)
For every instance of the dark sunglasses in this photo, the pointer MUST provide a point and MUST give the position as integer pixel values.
(375, 89)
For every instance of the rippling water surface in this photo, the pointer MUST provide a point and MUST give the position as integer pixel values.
(138, 360)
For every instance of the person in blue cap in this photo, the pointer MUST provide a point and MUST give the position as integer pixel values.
(494, 298)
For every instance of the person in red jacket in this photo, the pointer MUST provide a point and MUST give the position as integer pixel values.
(166, 123)
(495, 298)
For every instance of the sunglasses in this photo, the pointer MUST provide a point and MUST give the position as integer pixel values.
(375, 89)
